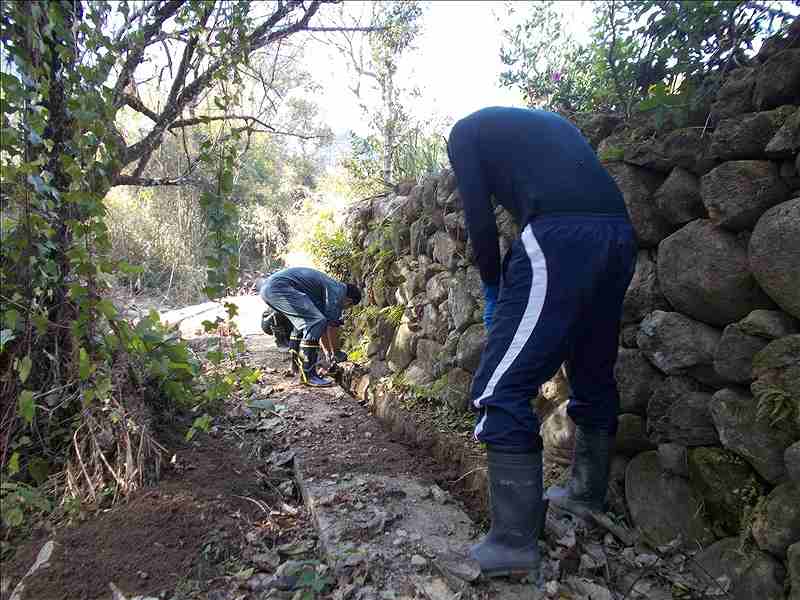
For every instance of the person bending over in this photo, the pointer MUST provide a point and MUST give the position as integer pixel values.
(313, 302)
(555, 298)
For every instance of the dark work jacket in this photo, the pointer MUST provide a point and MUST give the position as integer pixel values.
(533, 163)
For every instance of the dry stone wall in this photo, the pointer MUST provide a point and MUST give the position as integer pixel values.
(709, 363)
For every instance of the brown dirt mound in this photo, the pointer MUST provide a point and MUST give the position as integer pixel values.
(152, 541)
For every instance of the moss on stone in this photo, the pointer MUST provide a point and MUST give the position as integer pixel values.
(727, 485)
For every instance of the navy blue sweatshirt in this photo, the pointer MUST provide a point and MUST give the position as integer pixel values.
(534, 163)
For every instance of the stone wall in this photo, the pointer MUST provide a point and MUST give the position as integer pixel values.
(709, 362)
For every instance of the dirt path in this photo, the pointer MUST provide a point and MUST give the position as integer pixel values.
(228, 519)
(307, 496)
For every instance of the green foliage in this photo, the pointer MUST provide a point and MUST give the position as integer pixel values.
(664, 55)
(419, 151)
(332, 249)
(551, 70)
(20, 501)
(72, 368)
(776, 405)
(393, 314)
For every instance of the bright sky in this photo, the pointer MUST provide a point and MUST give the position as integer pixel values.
(457, 63)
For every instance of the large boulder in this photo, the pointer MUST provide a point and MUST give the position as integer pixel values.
(419, 233)
(665, 395)
(786, 141)
(470, 347)
(746, 136)
(644, 293)
(791, 458)
(677, 345)
(689, 421)
(381, 338)
(735, 97)
(777, 524)
(456, 225)
(773, 252)
(401, 351)
(429, 356)
(793, 562)
(704, 272)
(437, 287)
(769, 324)
(638, 186)
(742, 430)
(455, 392)
(727, 484)
(418, 374)
(631, 438)
(444, 249)
(387, 207)
(776, 370)
(688, 148)
(664, 507)
(674, 459)
(460, 302)
(678, 199)
(433, 324)
(447, 185)
(733, 359)
(636, 379)
(737, 193)
(597, 127)
(753, 575)
(778, 81)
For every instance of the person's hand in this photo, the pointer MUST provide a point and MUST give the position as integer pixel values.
(490, 293)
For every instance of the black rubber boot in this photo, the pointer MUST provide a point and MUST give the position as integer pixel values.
(308, 371)
(294, 355)
(586, 489)
(511, 547)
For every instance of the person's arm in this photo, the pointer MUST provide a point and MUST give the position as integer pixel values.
(330, 343)
(474, 191)
(478, 210)
(329, 340)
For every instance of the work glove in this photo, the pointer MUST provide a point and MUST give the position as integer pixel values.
(490, 293)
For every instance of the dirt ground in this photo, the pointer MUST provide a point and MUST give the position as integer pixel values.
(225, 499)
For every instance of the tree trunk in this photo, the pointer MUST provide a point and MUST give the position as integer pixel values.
(389, 124)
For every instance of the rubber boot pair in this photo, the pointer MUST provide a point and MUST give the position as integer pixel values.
(511, 547)
(586, 489)
(309, 351)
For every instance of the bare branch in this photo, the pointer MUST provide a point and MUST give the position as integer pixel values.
(150, 181)
(136, 55)
(267, 127)
(361, 29)
(261, 36)
(137, 105)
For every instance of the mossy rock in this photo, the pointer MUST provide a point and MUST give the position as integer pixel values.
(777, 386)
(727, 484)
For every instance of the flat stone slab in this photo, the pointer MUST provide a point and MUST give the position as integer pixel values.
(406, 528)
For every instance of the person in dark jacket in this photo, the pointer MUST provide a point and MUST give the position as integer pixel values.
(313, 302)
(555, 298)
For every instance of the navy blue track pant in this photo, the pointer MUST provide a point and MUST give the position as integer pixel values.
(307, 319)
(561, 296)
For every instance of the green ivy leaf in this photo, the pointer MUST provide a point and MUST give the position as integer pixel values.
(107, 308)
(84, 365)
(13, 464)
(39, 469)
(26, 406)
(13, 517)
(25, 368)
